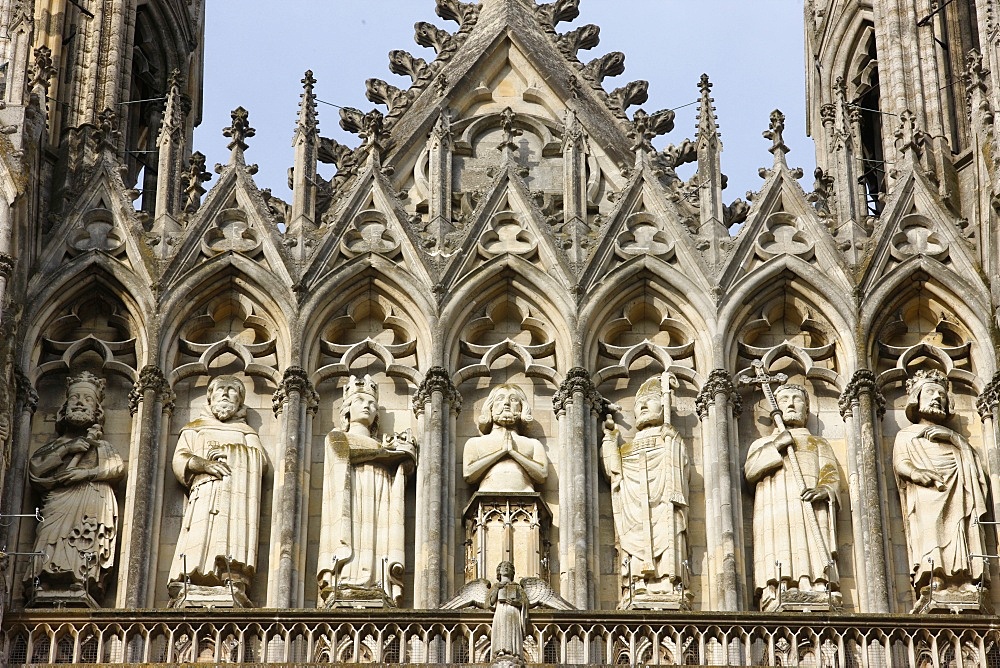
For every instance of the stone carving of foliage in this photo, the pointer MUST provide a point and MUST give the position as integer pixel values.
(783, 234)
(231, 232)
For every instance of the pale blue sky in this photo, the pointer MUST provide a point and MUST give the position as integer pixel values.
(256, 55)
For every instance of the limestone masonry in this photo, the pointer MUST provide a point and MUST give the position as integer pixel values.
(505, 389)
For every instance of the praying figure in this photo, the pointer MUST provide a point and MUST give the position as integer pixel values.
(649, 477)
(362, 544)
(76, 474)
(220, 460)
(942, 491)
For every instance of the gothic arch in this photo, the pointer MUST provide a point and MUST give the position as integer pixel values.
(803, 281)
(97, 276)
(518, 278)
(898, 290)
(240, 279)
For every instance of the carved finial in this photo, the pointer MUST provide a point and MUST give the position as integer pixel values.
(907, 135)
(307, 123)
(43, 69)
(646, 126)
(442, 128)
(192, 178)
(776, 134)
(240, 130)
(370, 127)
(975, 74)
(107, 134)
(406, 64)
(173, 116)
(707, 124)
(509, 131)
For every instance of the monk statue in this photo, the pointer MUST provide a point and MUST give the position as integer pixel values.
(76, 474)
(649, 477)
(221, 462)
(943, 492)
(362, 544)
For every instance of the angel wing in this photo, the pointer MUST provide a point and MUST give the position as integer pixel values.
(539, 592)
(473, 593)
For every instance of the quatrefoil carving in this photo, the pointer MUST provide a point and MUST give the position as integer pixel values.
(232, 232)
(783, 234)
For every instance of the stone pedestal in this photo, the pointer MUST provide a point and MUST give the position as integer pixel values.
(793, 599)
(968, 600)
(74, 597)
(646, 600)
(507, 527)
(207, 596)
(350, 596)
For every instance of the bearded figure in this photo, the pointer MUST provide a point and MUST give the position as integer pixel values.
(75, 473)
(220, 460)
(942, 491)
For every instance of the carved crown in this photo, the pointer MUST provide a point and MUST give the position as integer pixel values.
(87, 378)
(356, 386)
(925, 376)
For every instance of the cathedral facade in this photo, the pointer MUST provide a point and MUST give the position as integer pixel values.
(506, 388)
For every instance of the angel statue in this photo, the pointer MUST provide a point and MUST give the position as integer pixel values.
(510, 602)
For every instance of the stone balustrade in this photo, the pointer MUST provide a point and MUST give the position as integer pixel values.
(462, 637)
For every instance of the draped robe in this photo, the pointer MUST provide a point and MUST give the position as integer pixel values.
(222, 516)
(938, 522)
(781, 523)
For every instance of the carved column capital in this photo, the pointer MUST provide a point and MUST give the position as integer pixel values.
(863, 381)
(437, 379)
(719, 382)
(7, 263)
(295, 379)
(989, 398)
(150, 378)
(26, 393)
(577, 380)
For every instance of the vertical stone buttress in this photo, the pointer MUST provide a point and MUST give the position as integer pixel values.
(988, 404)
(291, 403)
(862, 407)
(434, 402)
(716, 403)
(306, 145)
(439, 164)
(572, 405)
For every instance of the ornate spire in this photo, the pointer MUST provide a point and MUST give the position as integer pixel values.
(174, 114)
(708, 126)
(239, 131)
(307, 124)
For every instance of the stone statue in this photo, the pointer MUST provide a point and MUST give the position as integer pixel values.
(503, 459)
(649, 497)
(75, 473)
(362, 537)
(796, 482)
(510, 615)
(219, 458)
(510, 602)
(942, 491)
